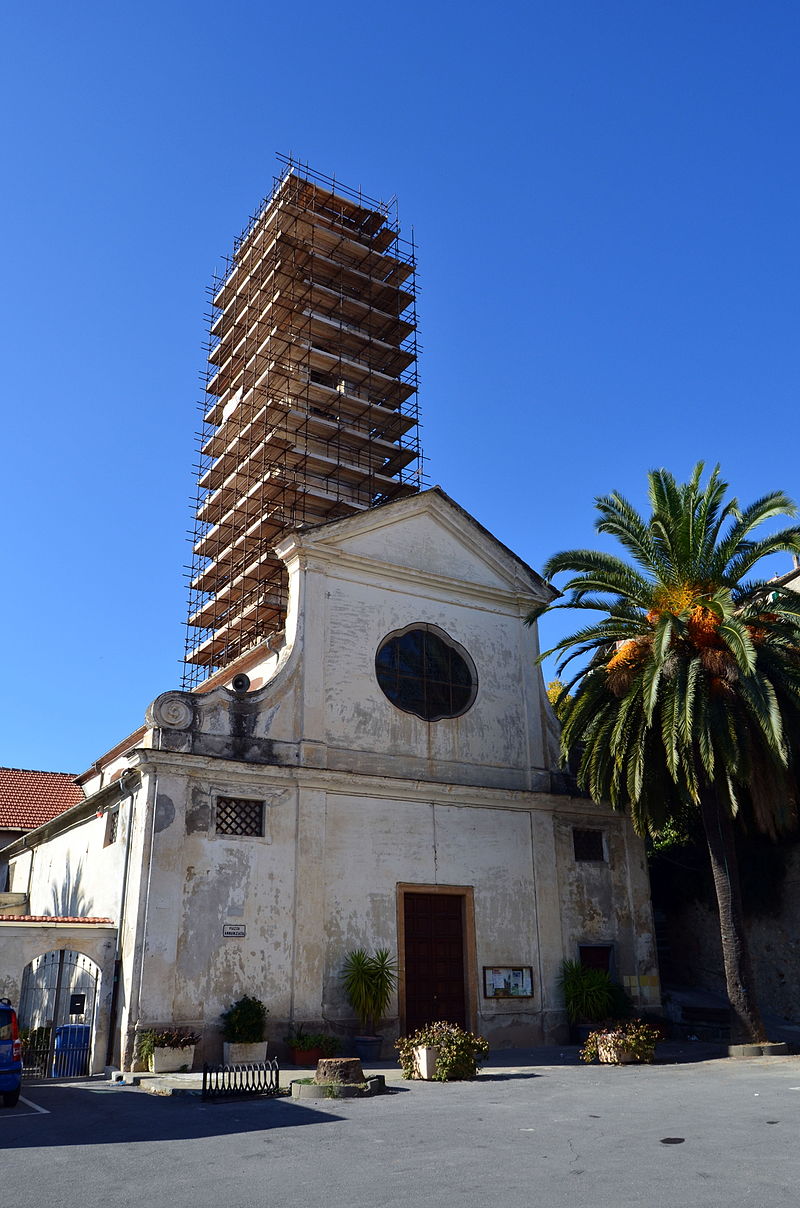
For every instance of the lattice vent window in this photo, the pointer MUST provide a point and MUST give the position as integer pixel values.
(588, 845)
(240, 816)
(112, 827)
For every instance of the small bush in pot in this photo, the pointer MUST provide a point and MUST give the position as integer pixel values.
(588, 993)
(626, 1042)
(458, 1052)
(310, 1047)
(368, 983)
(245, 1022)
(180, 1040)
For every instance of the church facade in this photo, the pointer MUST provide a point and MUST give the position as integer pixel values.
(383, 775)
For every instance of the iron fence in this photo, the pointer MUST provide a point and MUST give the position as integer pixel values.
(238, 1081)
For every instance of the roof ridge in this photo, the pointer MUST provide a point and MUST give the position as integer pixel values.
(4, 767)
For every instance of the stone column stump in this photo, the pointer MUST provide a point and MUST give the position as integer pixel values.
(339, 1069)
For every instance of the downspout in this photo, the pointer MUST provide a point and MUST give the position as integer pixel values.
(112, 1019)
(140, 932)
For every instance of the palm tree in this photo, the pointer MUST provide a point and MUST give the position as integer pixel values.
(688, 688)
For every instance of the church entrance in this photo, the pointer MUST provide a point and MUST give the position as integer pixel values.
(434, 923)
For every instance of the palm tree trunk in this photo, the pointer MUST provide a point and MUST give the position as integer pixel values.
(746, 1025)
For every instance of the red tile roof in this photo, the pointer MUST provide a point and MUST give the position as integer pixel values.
(49, 918)
(28, 799)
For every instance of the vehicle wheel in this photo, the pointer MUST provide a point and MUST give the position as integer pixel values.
(10, 1098)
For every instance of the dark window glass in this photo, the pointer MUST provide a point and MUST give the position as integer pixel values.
(424, 673)
(595, 956)
(588, 844)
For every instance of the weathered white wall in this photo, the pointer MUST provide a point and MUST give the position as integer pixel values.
(74, 873)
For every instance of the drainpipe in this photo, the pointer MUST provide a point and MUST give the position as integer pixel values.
(133, 781)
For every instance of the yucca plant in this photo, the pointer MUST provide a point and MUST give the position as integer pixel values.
(588, 993)
(369, 980)
(688, 693)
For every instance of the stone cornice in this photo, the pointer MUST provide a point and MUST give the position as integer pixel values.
(354, 784)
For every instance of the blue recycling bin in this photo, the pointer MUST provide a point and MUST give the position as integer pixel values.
(71, 1050)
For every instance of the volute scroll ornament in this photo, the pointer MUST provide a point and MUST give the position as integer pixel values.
(171, 711)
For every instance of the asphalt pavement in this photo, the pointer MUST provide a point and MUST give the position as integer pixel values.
(541, 1134)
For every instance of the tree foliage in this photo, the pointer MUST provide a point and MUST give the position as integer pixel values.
(685, 693)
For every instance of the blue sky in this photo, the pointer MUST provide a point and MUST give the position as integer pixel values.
(605, 198)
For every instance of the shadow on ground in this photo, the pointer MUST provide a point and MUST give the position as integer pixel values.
(102, 1114)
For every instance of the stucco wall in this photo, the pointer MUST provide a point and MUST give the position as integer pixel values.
(324, 879)
(76, 874)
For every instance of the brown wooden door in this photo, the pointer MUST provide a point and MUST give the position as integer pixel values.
(434, 959)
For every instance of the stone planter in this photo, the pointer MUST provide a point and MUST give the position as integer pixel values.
(244, 1054)
(425, 1062)
(170, 1061)
(614, 1054)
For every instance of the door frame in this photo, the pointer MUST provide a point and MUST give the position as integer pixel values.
(467, 895)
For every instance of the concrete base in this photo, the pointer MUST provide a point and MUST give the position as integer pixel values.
(758, 1050)
(339, 1090)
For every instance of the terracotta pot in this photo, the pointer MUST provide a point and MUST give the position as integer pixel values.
(305, 1057)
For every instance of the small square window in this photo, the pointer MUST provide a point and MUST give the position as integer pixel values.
(240, 816)
(588, 844)
(112, 827)
(595, 956)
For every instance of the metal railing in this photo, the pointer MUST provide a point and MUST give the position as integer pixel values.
(237, 1081)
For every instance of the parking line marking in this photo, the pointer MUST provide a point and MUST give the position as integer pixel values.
(35, 1106)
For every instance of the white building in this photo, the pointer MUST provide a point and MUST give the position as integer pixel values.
(385, 775)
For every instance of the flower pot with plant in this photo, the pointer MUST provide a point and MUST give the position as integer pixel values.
(590, 996)
(243, 1027)
(443, 1052)
(308, 1048)
(627, 1042)
(168, 1050)
(369, 981)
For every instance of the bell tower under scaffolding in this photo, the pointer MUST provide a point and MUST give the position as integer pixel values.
(311, 408)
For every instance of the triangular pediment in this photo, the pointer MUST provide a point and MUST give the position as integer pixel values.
(430, 534)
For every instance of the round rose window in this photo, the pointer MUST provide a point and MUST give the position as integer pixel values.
(423, 671)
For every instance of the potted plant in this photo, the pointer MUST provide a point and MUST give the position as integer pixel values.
(369, 981)
(167, 1050)
(589, 996)
(626, 1042)
(441, 1051)
(310, 1047)
(243, 1027)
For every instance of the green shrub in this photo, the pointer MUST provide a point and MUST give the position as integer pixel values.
(245, 1021)
(588, 993)
(368, 984)
(305, 1041)
(633, 1037)
(457, 1052)
(166, 1038)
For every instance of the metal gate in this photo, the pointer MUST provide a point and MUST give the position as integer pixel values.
(57, 1014)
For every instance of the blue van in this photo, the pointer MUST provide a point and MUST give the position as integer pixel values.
(10, 1055)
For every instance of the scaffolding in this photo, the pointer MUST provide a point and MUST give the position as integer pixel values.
(310, 409)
